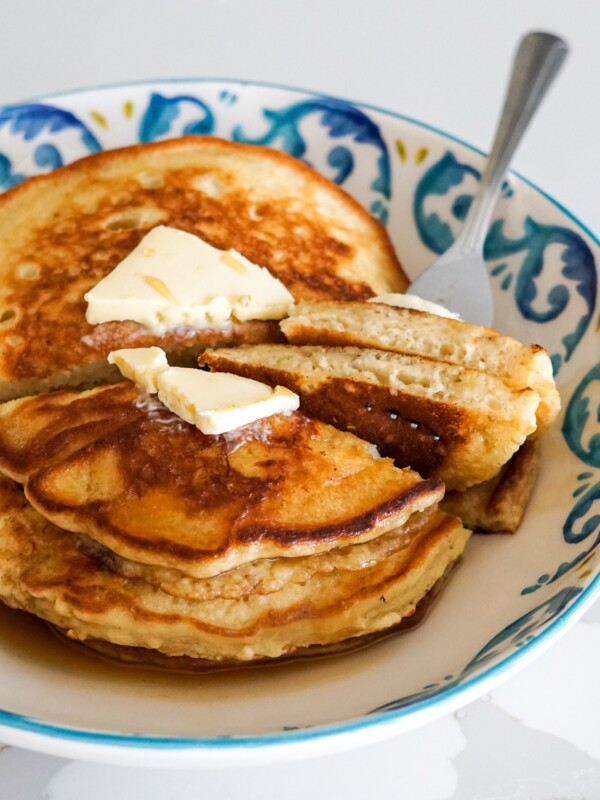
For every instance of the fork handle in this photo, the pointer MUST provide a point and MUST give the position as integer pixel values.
(537, 61)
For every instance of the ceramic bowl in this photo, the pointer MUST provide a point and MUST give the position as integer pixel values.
(511, 597)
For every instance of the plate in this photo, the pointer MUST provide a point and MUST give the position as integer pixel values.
(510, 598)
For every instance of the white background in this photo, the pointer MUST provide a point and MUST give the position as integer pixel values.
(444, 62)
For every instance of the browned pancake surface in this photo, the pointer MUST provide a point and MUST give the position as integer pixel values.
(36, 431)
(441, 419)
(61, 233)
(154, 489)
(498, 505)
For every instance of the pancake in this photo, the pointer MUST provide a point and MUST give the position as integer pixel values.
(36, 431)
(155, 490)
(445, 420)
(153, 659)
(42, 571)
(62, 232)
(498, 505)
(263, 577)
(404, 330)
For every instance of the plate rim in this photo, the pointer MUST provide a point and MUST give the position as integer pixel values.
(453, 696)
(140, 82)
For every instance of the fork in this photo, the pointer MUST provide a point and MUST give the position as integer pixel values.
(459, 280)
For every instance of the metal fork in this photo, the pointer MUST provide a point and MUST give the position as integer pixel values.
(459, 279)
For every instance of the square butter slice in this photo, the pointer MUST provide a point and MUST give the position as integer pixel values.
(220, 402)
(215, 402)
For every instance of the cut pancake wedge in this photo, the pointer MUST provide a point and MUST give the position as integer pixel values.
(498, 505)
(403, 330)
(442, 419)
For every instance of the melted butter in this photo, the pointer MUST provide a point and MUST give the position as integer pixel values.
(215, 402)
(160, 286)
(234, 263)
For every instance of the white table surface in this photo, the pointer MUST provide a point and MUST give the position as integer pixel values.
(444, 62)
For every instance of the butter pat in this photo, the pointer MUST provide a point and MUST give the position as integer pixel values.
(173, 278)
(414, 302)
(142, 365)
(215, 402)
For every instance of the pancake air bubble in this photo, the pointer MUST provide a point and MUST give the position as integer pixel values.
(209, 184)
(122, 223)
(150, 180)
(28, 271)
(134, 218)
(8, 317)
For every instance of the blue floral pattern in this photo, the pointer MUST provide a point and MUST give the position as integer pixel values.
(337, 120)
(38, 135)
(168, 117)
(577, 277)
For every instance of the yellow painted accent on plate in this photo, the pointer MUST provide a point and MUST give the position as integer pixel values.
(127, 109)
(401, 148)
(99, 118)
(422, 154)
(583, 575)
(588, 559)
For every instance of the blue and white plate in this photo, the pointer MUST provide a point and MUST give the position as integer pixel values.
(509, 599)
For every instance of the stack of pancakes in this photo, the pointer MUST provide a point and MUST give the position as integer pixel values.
(128, 529)
(132, 532)
(149, 541)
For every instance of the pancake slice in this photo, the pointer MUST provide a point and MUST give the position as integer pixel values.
(155, 490)
(42, 571)
(61, 233)
(458, 424)
(498, 505)
(404, 330)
